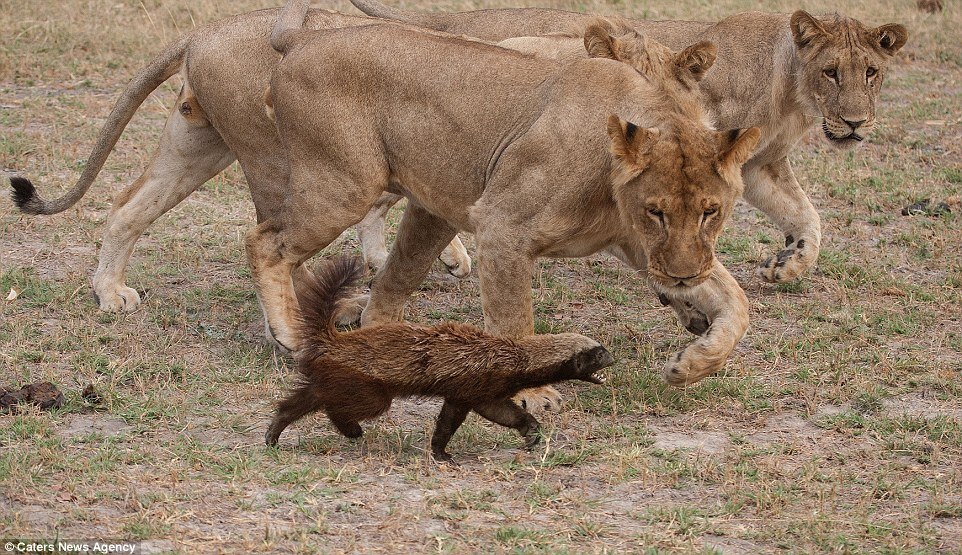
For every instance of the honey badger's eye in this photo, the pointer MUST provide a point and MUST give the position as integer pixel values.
(870, 72)
(831, 73)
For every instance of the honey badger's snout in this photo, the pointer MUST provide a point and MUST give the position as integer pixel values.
(590, 361)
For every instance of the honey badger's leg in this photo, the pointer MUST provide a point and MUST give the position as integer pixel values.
(347, 427)
(774, 190)
(724, 304)
(303, 400)
(449, 420)
(370, 231)
(421, 238)
(508, 414)
(190, 152)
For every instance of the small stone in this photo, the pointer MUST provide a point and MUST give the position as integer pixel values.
(91, 395)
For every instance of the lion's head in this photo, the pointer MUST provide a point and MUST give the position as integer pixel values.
(604, 38)
(674, 183)
(843, 65)
(675, 190)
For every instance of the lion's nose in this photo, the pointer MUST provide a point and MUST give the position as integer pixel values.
(854, 124)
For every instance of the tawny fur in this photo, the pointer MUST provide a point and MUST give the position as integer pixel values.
(354, 376)
(225, 67)
(769, 73)
(553, 160)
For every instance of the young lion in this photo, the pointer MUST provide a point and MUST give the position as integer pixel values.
(549, 160)
(782, 73)
(354, 376)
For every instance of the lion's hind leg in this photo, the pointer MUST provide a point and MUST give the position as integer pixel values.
(190, 152)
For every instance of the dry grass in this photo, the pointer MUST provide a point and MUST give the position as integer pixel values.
(837, 425)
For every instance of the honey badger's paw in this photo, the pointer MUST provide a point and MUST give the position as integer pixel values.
(790, 262)
(539, 399)
(116, 298)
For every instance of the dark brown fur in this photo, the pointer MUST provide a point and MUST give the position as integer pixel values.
(355, 375)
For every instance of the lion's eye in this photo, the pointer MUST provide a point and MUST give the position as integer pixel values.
(655, 212)
(710, 211)
(831, 73)
(870, 72)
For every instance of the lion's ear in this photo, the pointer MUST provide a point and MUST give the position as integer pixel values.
(697, 59)
(632, 144)
(806, 28)
(737, 147)
(891, 37)
(599, 43)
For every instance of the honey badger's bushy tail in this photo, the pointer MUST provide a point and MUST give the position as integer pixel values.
(319, 298)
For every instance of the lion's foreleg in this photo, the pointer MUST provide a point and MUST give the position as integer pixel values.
(505, 270)
(774, 190)
(421, 238)
(724, 304)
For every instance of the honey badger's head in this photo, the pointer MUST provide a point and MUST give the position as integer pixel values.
(580, 357)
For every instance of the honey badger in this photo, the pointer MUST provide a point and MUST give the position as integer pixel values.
(354, 375)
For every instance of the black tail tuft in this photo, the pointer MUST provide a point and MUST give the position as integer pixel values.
(23, 192)
(319, 296)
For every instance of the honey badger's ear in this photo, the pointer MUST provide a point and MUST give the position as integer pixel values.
(806, 28)
(696, 60)
(891, 37)
(632, 144)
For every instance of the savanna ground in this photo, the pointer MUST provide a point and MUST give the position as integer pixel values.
(836, 425)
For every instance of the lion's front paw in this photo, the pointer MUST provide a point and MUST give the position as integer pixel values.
(683, 369)
(375, 260)
(538, 399)
(693, 319)
(349, 310)
(118, 298)
(457, 262)
(790, 262)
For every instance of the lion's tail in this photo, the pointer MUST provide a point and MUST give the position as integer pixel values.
(374, 8)
(319, 298)
(289, 22)
(159, 69)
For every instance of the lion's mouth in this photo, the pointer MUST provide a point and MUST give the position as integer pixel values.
(671, 282)
(853, 136)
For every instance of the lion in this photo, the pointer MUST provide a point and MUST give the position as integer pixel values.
(774, 71)
(552, 159)
(219, 117)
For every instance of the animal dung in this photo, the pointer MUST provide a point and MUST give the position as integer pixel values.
(43, 394)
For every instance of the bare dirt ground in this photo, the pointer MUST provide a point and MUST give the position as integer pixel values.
(836, 425)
